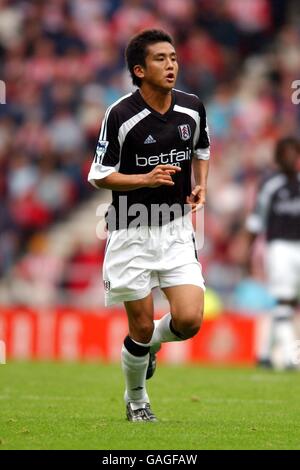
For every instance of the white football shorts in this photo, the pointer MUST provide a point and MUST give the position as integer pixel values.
(139, 259)
(283, 269)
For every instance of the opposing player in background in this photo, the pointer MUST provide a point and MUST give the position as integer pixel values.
(277, 215)
(149, 141)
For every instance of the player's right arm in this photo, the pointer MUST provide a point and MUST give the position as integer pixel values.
(160, 175)
(104, 172)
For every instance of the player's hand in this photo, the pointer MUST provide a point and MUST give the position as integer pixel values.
(197, 198)
(161, 175)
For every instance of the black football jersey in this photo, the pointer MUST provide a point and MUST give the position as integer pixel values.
(134, 139)
(277, 211)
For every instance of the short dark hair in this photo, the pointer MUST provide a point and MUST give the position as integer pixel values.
(282, 144)
(136, 50)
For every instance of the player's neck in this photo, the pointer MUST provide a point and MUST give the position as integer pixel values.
(159, 100)
(291, 175)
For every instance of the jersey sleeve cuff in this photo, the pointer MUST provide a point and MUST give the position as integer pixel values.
(99, 173)
(202, 154)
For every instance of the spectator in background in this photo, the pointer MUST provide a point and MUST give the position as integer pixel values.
(62, 63)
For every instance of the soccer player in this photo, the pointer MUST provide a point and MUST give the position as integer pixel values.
(277, 215)
(149, 141)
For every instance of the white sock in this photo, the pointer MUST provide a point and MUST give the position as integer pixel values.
(284, 331)
(162, 332)
(135, 369)
(264, 338)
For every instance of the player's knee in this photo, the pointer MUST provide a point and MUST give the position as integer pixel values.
(190, 329)
(189, 324)
(144, 332)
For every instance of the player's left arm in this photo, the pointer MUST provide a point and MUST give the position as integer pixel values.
(200, 164)
(198, 195)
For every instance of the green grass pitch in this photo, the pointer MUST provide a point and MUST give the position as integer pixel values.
(79, 406)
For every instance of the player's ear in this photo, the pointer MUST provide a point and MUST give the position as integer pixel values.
(138, 70)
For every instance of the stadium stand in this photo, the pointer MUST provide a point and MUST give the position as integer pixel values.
(62, 63)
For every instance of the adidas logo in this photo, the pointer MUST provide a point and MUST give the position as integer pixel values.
(150, 140)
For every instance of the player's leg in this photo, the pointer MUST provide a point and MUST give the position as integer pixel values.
(186, 305)
(186, 302)
(135, 358)
(283, 330)
(283, 280)
(184, 288)
(140, 319)
(127, 280)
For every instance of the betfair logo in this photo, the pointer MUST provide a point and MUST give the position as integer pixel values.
(2, 92)
(174, 157)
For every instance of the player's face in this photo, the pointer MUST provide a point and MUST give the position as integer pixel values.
(289, 159)
(161, 66)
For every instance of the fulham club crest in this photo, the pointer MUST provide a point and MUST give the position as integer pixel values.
(106, 286)
(185, 131)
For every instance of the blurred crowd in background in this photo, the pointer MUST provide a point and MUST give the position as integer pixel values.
(63, 63)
